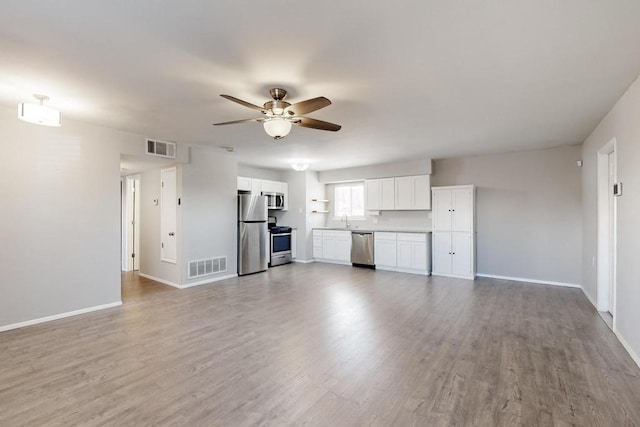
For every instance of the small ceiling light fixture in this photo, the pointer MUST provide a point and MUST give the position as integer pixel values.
(299, 166)
(277, 127)
(38, 113)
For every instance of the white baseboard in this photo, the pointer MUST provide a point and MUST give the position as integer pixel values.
(454, 276)
(157, 279)
(539, 282)
(589, 297)
(403, 270)
(59, 316)
(627, 347)
(206, 281)
(331, 261)
(303, 261)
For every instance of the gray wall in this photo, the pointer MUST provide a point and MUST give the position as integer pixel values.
(411, 167)
(60, 217)
(529, 220)
(209, 209)
(623, 123)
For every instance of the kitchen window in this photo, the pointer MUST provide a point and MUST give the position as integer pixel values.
(349, 201)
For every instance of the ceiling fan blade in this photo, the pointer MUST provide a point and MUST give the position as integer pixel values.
(240, 121)
(316, 124)
(245, 103)
(308, 106)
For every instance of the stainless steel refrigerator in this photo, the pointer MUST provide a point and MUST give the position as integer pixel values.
(253, 254)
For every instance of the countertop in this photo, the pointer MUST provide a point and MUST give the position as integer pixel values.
(386, 230)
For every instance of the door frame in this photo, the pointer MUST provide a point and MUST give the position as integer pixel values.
(130, 237)
(606, 270)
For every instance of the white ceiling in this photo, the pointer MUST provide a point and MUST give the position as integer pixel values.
(407, 78)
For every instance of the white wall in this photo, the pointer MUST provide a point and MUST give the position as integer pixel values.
(529, 219)
(209, 209)
(622, 123)
(60, 217)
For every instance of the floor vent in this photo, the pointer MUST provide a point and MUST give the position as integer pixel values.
(161, 148)
(205, 267)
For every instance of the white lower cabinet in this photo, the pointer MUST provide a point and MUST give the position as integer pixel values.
(385, 250)
(332, 245)
(412, 251)
(453, 254)
(402, 252)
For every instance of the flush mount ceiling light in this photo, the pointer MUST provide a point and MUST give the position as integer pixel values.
(279, 115)
(299, 166)
(38, 113)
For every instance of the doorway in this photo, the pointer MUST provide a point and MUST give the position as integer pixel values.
(607, 228)
(131, 223)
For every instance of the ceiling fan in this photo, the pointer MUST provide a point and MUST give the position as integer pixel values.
(279, 115)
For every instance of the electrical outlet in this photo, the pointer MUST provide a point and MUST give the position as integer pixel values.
(374, 220)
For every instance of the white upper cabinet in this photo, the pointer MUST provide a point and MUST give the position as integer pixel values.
(421, 192)
(257, 186)
(404, 193)
(399, 193)
(244, 183)
(380, 194)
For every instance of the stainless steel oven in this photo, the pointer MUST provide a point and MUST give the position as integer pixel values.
(280, 245)
(275, 201)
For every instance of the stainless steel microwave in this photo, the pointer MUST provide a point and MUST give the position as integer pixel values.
(274, 200)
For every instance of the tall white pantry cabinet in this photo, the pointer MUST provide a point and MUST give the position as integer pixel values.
(454, 231)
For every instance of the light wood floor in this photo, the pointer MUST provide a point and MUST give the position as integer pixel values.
(323, 344)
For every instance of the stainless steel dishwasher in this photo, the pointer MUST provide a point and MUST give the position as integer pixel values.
(362, 249)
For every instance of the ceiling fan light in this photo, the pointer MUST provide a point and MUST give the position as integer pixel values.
(38, 113)
(299, 166)
(277, 127)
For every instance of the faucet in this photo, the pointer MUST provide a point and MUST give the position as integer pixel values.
(345, 219)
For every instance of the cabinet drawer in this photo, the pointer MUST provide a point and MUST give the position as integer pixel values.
(383, 235)
(412, 237)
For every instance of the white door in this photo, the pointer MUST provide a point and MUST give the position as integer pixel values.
(442, 252)
(442, 200)
(612, 231)
(133, 219)
(462, 210)
(462, 264)
(168, 214)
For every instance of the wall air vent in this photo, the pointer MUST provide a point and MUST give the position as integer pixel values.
(205, 267)
(161, 148)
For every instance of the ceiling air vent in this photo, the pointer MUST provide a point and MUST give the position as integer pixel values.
(161, 148)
